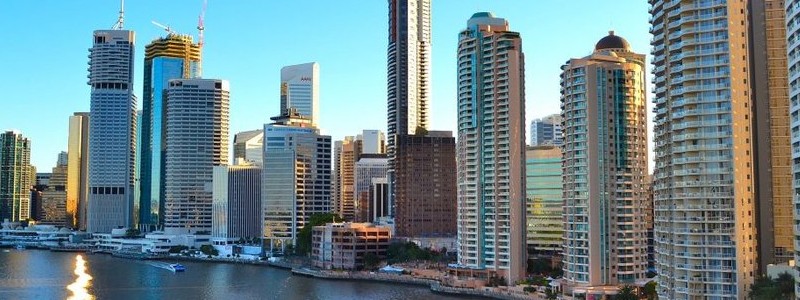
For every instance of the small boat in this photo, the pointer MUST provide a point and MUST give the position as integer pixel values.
(20, 247)
(177, 268)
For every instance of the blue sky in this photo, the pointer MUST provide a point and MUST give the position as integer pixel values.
(45, 42)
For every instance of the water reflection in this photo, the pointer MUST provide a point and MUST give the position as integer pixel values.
(79, 287)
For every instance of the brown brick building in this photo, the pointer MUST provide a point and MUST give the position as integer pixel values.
(425, 185)
(343, 245)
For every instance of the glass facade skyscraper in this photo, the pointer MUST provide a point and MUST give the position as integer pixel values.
(300, 90)
(172, 57)
(112, 124)
(490, 151)
(545, 222)
(547, 131)
(77, 170)
(15, 177)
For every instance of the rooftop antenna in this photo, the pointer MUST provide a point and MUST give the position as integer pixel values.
(121, 19)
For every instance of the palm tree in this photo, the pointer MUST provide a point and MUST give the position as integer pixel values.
(785, 283)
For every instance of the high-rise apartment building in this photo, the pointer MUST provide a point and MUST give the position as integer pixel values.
(54, 197)
(248, 145)
(237, 202)
(296, 177)
(348, 155)
(41, 180)
(77, 170)
(491, 148)
(300, 90)
(367, 168)
(425, 185)
(705, 200)
(772, 142)
(544, 219)
(605, 168)
(137, 180)
(547, 131)
(409, 68)
(112, 123)
(15, 177)
(792, 15)
(175, 56)
(197, 129)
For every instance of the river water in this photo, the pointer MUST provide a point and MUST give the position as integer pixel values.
(40, 274)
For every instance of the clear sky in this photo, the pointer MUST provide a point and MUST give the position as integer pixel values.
(43, 54)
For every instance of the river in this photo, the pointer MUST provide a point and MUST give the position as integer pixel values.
(41, 274)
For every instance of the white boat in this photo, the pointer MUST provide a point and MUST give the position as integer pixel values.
(177, 268)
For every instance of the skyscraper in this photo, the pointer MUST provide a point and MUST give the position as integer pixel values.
(77, 169)
(348, 155)
(704, 185)
(491, 148)
(197, 113)
(372, 141)
(547, 131)
(54, 197)
(545, 221)
(367, 168)
(300, 90)
(605, 168)
(112, 123)
(772, 142)
(175, 56)
(237, 202)
(137, 180)
(15, 177)
(425, 185)
(248, 145)
(296, 176)
(792, 11)
(409, 68)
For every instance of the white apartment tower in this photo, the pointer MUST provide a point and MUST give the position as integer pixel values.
(490, 150)
(197, 115)
(112, 123)
(604, 169)
(704, 191)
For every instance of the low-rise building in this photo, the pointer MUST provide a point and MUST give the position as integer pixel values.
(344, 245)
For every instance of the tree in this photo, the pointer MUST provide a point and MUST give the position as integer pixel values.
(650, 290)
(133, 232)
(209, 250)
(304, 236)
(371, 261)
(177, 249)
(626, 293)
(550, 294)
(785, 284)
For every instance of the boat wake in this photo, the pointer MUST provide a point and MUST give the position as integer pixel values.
(159, 264)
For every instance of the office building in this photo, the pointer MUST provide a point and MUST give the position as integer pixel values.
(380, 207)
(409, 68)
(77, 170)
(545, 223)
(15, 177)
(425, 185)
(704, 178)
(197, 129)
(248, 145)
(236, 209)
(300, 90)
(112, 123)
(491, 149)
(54, 197)
(137, 180)
(772, 142)
(605, 169)
(346, 158)
(41, 180)
(296, 177)
(175, 56)
(344, 245)
(372, 141)
(547, 131)
(368, 167)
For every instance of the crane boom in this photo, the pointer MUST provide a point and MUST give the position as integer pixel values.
(165, 27)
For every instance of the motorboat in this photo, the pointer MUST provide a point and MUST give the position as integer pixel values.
(177, 268)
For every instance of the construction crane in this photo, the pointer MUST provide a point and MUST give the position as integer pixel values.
(200, 40)
(167, 28)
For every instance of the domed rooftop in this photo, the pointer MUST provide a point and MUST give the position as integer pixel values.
(612, 41)
(483, 14)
